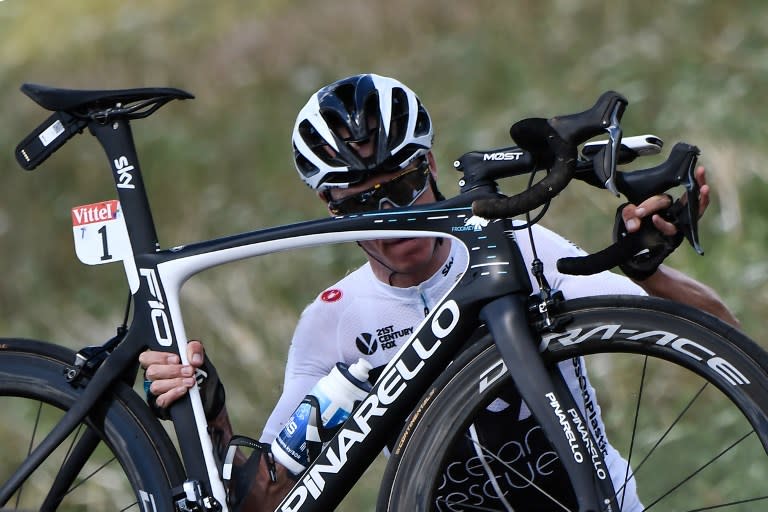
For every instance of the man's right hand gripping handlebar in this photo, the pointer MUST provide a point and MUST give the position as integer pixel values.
(554, 144)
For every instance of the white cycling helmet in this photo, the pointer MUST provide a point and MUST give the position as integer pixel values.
(357, 110)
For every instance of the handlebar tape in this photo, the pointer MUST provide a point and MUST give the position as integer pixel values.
(554, 140)
(597, 262)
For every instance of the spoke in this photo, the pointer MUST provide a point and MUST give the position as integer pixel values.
(34, 430)
(702, 468)
(81, 482)
(662, 437)
(517, 473)
(29, 448)
(487, 467)
(66, 472)
(634, 430)
(729, 504)
(129, 506)
(671, 426)
(74, 441)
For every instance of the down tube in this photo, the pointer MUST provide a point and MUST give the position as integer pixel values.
(382, 414)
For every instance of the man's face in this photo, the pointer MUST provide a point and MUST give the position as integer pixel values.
(402, 255)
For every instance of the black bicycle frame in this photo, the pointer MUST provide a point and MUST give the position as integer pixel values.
(493, 290)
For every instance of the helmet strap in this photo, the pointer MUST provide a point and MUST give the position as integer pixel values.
(439, 197)
(433, 184)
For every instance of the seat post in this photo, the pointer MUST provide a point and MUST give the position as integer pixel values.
(116, 138)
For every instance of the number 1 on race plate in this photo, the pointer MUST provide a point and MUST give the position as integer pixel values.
(100, 233)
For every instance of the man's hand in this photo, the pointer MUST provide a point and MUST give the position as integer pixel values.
(632, 214)
(648, 230)
(667, 282)
(171, 379)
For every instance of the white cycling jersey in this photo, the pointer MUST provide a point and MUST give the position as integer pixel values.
(360, 316)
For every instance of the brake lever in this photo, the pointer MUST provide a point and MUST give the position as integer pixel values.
(679, 169)
(606, 160)
(685, 214)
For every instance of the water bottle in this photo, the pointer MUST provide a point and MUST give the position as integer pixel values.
(323, 410)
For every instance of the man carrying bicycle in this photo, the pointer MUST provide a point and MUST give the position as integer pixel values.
(364, 143)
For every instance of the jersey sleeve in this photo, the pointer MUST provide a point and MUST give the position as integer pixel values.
(311, 356)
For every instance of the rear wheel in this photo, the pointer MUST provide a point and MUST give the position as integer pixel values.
(683, 398)
(119, 459)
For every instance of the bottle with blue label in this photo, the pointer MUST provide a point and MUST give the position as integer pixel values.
(323, 410)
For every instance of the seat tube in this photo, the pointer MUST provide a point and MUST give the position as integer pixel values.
(117, 140)
(506, 318)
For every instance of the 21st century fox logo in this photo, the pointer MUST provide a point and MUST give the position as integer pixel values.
(385, 336)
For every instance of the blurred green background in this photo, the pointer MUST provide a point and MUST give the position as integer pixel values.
(693, 70)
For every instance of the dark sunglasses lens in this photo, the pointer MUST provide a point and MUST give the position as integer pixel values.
(350, 205)
(405, 188)
(361, 202)
(400, 191)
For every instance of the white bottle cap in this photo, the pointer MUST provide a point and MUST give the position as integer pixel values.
(360, 369)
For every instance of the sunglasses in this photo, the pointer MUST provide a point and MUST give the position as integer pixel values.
(402, 190)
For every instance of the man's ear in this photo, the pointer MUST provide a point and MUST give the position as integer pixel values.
(433, 175)
(432, 164)
(324, 198)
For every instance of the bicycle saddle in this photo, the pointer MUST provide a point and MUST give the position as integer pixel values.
(69, 100)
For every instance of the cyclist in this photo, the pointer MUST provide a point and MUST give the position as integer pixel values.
(364, 143)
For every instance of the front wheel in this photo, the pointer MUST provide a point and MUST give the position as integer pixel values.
(120, 458)
(676, 401)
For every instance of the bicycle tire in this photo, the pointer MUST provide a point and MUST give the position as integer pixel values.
(712, 359)
(135, 462)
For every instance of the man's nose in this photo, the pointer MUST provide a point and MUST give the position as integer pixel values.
(363, 148)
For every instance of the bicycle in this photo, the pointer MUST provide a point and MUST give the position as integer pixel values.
(496, 333)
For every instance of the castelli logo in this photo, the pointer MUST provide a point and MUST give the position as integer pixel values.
(331, 295)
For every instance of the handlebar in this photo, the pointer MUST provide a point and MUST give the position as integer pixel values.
(556, 140)
(553, 144)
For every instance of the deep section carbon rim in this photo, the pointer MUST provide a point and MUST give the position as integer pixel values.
(682, 396)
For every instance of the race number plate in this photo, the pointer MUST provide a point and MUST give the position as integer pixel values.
(100, 233)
